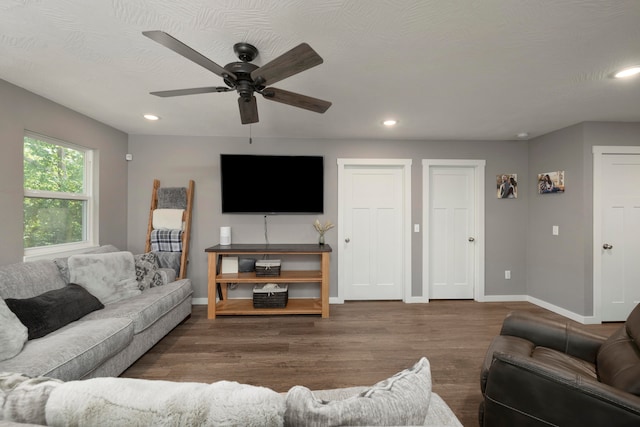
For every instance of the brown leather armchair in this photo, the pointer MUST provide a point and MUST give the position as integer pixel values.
(539, 372)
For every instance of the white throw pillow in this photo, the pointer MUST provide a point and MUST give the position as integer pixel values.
(397, 401)
(110, 277)
(13, 334)
(128, 401)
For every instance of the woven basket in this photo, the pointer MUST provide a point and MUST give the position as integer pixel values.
(268, 268)
(272, 298)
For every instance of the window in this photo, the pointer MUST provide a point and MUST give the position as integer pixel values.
(58, 196)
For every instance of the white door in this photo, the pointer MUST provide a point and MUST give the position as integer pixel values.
(372, 250)
(620, 242)
(452, 235)
(453, 239)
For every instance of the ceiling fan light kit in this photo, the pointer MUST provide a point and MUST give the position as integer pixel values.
(246, 78)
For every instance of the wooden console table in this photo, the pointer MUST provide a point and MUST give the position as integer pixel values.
(245, 306)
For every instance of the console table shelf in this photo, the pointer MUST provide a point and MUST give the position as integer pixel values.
(245, 306)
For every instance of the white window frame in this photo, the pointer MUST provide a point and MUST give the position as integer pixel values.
(90, 195)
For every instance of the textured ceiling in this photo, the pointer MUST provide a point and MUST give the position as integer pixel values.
(446, 69)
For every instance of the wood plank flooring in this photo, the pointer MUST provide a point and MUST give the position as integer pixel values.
(361, 343)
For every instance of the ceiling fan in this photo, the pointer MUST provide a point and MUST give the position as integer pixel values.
(246, 78)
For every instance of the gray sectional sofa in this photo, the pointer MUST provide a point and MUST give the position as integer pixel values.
(102, 343)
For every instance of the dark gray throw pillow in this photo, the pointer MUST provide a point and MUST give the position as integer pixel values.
(52, 310)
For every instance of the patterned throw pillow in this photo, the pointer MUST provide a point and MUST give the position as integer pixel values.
(146, 267)
(159, 279)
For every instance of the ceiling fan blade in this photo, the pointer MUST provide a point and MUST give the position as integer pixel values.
(298, 59)
(248, 110)
(296, 100)
(192, 91)
(182, 49)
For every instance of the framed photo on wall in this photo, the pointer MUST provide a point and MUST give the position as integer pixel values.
(551, 182)
(507, 186)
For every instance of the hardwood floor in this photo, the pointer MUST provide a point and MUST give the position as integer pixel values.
(361, 343)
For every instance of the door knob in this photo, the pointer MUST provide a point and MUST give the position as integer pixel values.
(607, 246)
(347, 240)
(471, 239)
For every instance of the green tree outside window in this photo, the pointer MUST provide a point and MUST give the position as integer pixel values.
(54, 202)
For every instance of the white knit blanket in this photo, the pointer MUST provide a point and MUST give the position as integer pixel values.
(134, 402)
(167, 219)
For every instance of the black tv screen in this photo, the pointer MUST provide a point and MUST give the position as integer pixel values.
(265, 184)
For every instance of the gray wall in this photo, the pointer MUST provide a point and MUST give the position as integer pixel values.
(554, 269)
(176, 159)
(21, 110)
(560, 268)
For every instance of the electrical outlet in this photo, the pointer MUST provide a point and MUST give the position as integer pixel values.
(507, 274)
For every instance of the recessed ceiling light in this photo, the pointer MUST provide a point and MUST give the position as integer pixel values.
(627, 72)
(522, 135)
(151, 117)
(390, 122)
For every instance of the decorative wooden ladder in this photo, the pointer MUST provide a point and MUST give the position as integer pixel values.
(186, 218)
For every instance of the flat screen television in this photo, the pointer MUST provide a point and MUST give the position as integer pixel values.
(267, 184)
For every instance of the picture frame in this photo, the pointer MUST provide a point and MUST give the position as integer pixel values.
(507, 186)
(551, 182)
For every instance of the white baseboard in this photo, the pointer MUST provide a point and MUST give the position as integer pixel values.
(585, 320)
(504, 298)
(416, 300)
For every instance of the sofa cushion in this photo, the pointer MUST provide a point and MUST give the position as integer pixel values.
(619, 362)
(402, 399)
(129, 401)
(111, 277)
(73, 351)
(54, 309)
(145, 309)
(28, 279)
(23, 399)
(13, 334)
(63, 262)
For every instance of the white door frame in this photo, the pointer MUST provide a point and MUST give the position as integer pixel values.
(405, 165)
(598, 152)
(478, 168)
